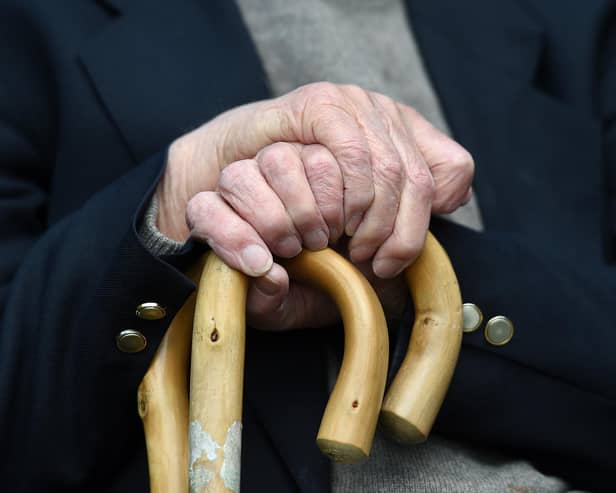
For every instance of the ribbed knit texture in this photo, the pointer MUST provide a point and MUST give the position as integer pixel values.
(156, 242)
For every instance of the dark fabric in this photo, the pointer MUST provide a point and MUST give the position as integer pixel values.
(92, 93)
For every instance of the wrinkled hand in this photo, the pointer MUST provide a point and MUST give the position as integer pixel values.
(288, 196)
(385, 151)
(379, 172)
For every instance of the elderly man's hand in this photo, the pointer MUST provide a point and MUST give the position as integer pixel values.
(378, 173)
(385, 152)
(288, 191)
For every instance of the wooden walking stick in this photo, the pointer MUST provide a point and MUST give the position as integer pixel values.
(418, 389)
(349, 420)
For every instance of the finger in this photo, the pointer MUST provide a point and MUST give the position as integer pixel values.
(282, 167)
(330, 119)
(244, 188)
(383, 129)
(409, 234)
(319, 113)
(451, 165)
(325, 179)
(236, 242)
(265, 297)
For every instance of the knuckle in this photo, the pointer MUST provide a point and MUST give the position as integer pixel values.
(231, 176)
(406, 250)
(199, 207)
(355, 91)
(463, 160)
(272, 157)
(322, 91)
(423, 182)
(320, 170)
(317, 154)
(324, 87)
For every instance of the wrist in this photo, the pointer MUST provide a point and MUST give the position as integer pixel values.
(173, 193)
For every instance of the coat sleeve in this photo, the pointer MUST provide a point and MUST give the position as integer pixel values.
(68, 418)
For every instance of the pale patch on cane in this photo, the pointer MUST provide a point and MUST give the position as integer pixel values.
(199, 478)
(201, 444)
(232, 450)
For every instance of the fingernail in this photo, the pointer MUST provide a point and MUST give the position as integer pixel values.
(267, 285)
(256, 259)
(289, 247)
(316, 240)
(352, 224)
(388, 268)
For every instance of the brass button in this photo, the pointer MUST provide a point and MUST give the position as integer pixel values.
(499, 330)
(151, 311)
(131, 341)
(471, 317)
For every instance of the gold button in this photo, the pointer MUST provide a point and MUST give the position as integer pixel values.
(471, 317)
(131, 341)
(499, 330)
(151, 311)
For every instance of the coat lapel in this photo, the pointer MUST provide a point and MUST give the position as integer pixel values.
(163, 68)
(496, 82)
(479, 56)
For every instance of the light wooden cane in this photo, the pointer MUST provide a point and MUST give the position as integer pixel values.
(162, 402)
(418, 389)
(351, 415)
(349, 420)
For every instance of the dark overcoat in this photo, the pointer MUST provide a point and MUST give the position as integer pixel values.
(91, 95)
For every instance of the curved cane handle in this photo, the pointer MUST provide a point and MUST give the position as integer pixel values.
(349, 420)
(418, 389)
(352, 412)
(217, 363)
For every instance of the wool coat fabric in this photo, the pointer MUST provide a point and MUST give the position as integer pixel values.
(91, 95)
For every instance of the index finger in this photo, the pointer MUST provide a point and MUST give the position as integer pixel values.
(326, 116)
(339, 132)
